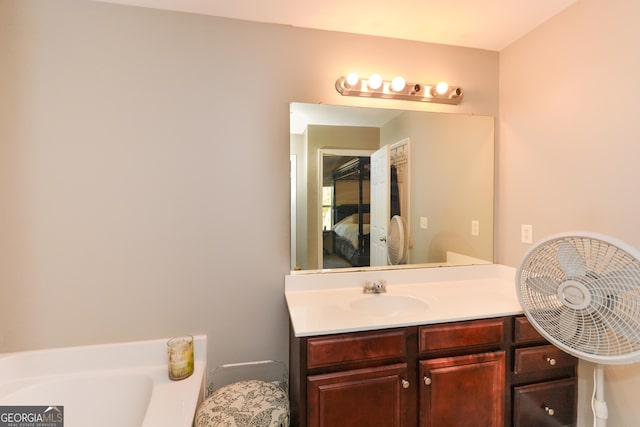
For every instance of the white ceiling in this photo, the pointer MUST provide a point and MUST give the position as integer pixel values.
(484, 24)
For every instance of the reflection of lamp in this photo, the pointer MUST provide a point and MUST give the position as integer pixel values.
(398, 88)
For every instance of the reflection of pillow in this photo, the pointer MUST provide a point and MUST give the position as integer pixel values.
(346, 220)
(366, 219)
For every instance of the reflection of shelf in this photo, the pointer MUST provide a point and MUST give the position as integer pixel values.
(327, 241)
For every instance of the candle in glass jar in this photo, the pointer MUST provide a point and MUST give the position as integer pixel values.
(180, 351)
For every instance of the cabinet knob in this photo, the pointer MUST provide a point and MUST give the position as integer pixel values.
(551, 361)
(549, 411)
(405, 384)
(427, 380)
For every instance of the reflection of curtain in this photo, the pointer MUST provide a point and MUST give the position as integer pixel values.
(395, 192)
(400, 159)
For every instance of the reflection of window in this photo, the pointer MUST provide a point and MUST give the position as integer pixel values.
(327, 205)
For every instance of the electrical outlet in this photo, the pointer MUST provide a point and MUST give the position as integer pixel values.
(526, 233)
(424, 222)
(475, 228)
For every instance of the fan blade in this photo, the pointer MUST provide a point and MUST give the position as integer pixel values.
(543, 285)
(570, 260)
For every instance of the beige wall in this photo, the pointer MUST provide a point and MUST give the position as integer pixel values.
(144, 184)
(451, 182)
(569, 147)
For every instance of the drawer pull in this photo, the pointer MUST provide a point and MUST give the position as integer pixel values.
(551, 361)
(548, 410)
(427, 380)
(405, 384)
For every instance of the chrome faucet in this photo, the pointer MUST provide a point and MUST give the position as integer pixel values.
(376, 287)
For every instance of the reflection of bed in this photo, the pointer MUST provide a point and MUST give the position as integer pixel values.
(351, 211)
(349, 242)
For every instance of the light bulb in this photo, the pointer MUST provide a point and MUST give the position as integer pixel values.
(375, 81)
(352, 79)
(398, 83)
(442, 88)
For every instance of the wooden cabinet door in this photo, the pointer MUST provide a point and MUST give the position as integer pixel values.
(359, 398)
(463, 391)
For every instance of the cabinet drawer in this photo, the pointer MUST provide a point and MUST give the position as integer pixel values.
(356, 347)
(535, 359)
(547, 404)
(524, 332)
(462, 334)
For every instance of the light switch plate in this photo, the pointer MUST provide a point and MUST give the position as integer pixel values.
(475, 228)
(424, 222)
(526, 233)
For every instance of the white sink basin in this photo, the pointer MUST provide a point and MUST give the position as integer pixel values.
(387, 305)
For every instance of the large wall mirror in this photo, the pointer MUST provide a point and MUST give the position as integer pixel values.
(382, 188)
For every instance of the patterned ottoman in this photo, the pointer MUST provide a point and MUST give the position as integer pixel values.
(245, 404)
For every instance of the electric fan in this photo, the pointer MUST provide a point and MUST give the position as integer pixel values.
(581, 291)
(397, 241)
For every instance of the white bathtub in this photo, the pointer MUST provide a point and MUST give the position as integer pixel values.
(124, 385)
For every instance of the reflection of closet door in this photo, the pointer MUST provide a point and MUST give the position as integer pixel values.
(380, 210)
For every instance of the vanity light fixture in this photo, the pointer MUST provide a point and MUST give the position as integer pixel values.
(375, 87)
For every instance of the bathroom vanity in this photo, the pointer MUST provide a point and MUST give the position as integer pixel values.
(450, 348)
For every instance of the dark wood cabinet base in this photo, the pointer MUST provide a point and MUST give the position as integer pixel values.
(495, 372)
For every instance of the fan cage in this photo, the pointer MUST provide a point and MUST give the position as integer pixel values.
(396, 241)
(606, 329)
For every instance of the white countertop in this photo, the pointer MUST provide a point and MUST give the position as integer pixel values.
(322, 304)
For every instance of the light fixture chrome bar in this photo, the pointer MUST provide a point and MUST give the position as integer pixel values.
(410, 92)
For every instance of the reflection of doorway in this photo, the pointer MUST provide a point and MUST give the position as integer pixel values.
(380, 177)
(332, 253)
(400, 160)
(389, 195)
